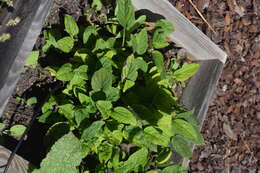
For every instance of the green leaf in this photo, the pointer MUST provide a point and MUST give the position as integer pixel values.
(112, 94)
(140, 63)
(130, 70)
(100, 45)
(187, 71)
(65, 44)
(123, 115)
(158, 60)
(89, 31)
(71, 26)
(43, 118)
(136, 161)
(145, 114)
(140, 42)
(65, 156)
(163, 29)
(165, 124)
(49, 104)
(140, 21)
(17, 130)
(175, 169)
(97, 4)
(67, 111)
(94, 130)
(50, 38)
(81, 56)
(31, 101)
(105, 151)
(65, 73)
(181, 146)
(101, 80)
(55, 132)
(88, 102)
(136, 136)
(32, 60)
(164, 155)
(2, 126)
(104, 107)
(125, 13)
(188, 116)
(156, 137)
(81, 72)
(80, 114)
(128, 84)
(186, 129)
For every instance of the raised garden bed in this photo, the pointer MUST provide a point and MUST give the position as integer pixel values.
(200, 87)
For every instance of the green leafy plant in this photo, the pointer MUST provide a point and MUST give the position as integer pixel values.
(15, 131)
(116, 110)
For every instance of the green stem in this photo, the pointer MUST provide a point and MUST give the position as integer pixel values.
(123, 43)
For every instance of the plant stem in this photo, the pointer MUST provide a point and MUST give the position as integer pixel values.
(123, 43)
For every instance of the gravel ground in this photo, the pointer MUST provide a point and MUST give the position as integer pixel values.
(232, 126)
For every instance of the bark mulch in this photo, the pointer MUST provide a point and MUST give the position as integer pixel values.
(232, 126)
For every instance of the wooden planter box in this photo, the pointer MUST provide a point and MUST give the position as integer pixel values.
(200, 48)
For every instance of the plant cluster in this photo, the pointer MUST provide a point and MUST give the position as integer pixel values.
(116, 110)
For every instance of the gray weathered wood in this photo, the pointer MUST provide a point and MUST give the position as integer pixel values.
(187, 35)
(18, 165)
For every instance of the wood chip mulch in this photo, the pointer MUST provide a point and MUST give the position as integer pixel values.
(232, 126)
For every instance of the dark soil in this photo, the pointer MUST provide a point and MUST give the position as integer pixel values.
(232, 126)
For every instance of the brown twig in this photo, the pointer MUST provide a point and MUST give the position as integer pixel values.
(203, 18)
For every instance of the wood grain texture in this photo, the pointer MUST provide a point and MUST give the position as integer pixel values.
(18, 165)
(187, 35)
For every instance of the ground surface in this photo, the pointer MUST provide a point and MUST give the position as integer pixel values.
(232, 127)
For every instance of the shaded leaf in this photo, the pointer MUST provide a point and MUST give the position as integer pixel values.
(2, 126)
(188, 116)
(101, 80)
(181, 146)
(89, 31)
(164, 156)
(94, 130)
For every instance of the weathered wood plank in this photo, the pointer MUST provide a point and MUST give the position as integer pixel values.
(18, 165)
(187, 35)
